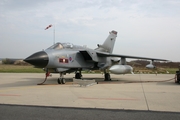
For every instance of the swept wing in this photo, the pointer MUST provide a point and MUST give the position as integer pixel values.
(103, 54)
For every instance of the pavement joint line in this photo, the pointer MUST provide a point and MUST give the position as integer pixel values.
(144, 93)
(87, 98)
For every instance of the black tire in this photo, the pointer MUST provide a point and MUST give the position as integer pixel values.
(107, 77)
(59, 81)
(78, 76)
(178, 77)
(178, 81)
(63, 81)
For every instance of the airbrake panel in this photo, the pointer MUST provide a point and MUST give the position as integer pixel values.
(89, 56)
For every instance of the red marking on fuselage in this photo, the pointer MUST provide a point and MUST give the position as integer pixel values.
(63, 60)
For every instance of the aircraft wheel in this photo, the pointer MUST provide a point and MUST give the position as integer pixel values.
(63, 81)
(59, 81)
(78, 76)
(107, 77)
(178, 81)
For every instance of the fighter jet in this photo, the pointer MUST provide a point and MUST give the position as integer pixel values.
(65, 58)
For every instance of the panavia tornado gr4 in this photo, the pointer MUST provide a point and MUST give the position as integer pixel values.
(65, 58)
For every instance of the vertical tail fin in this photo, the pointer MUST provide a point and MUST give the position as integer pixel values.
(108, 44)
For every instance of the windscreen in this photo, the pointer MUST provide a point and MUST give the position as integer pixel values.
(56, 46)
(59, 46)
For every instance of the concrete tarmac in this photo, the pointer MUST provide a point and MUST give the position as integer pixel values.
(24, 112)
(125, 92)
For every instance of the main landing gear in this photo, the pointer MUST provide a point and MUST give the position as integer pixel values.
(78, 75)
(107, 76)
(177, 77)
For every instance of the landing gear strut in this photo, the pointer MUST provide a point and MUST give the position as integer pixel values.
(61, 80)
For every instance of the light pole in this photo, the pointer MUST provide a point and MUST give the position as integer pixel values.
(54, 34)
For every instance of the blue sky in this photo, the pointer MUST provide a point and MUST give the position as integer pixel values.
(149, 28)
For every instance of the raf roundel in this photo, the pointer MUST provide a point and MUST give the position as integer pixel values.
(70, 58)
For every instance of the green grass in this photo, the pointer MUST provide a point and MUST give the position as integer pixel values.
(159, 70)
(31, 69)
(172, 70)
(19, 69)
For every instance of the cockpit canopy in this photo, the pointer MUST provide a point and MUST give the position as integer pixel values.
(59, 46)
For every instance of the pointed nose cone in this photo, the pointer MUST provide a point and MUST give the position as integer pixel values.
(39, 59)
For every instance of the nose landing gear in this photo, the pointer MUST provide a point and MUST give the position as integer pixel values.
(61, 80)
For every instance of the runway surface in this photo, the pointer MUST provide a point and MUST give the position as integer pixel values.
(140, 95)
(16, 112)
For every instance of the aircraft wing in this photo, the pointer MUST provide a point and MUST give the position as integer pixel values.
(103, 54)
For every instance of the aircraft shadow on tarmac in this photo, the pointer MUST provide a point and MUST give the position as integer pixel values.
(69, 81)
(50, 81)
(24, 82)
